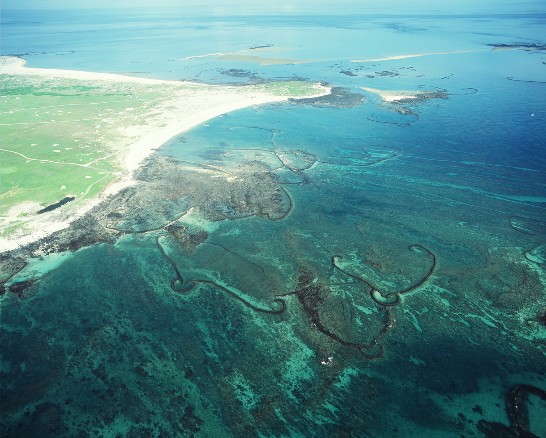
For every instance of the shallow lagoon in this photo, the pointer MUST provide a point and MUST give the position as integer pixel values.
(307, 208)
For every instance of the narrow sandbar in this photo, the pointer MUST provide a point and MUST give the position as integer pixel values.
(262, 60)
(406, 96)
(414, 55)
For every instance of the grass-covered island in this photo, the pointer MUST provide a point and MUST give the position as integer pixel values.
(70, 136)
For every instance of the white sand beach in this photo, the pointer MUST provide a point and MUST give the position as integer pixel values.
(187, 105)
(393, 95)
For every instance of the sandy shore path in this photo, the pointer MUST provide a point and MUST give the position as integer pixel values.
(129, 133)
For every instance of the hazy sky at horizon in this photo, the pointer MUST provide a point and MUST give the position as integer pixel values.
(315, 6)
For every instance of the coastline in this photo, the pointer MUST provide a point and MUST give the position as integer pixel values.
(188, 105)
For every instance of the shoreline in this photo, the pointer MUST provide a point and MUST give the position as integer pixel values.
(189, 105)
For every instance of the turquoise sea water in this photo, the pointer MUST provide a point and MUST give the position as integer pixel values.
(368, 270)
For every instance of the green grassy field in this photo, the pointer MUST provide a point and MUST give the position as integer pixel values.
(58, 137)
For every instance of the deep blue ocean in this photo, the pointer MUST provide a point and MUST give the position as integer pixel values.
(377, 271)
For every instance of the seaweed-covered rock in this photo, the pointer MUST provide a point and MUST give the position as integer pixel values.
(187, 239)
(20, 287)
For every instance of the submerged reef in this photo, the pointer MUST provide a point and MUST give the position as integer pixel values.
(241, 73)
(519, 46)
(266, 286)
